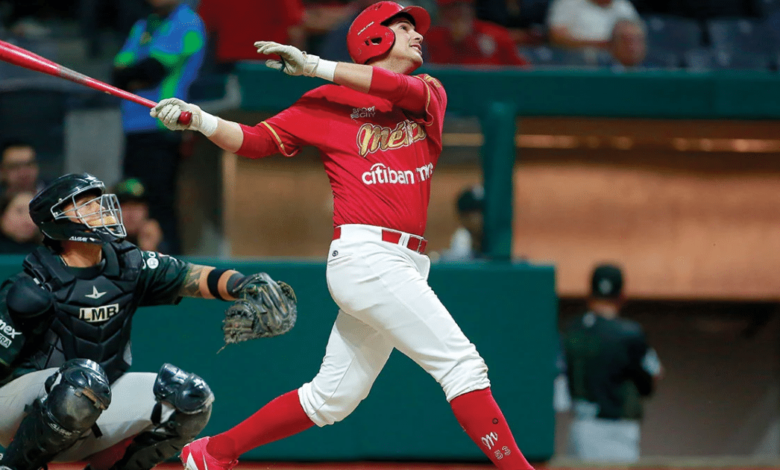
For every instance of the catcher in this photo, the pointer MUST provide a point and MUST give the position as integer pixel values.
(65, 323)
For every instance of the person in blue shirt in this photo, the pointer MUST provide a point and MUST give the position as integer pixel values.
(160, 59)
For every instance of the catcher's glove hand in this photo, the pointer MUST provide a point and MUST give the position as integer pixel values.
(264, 308)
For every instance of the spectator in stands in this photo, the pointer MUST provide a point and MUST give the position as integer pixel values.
(628, 44)
(19, 170)
(587, 23)
(522, 19)
(333, 45)
(142, 230)
(462, 39)
(466, 242)
(160, 59)
(18, 233)
(609, 368)
(235, 25)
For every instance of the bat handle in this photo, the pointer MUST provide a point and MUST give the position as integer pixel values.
(185, 118)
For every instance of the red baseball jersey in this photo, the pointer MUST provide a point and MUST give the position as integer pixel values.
(378, 157)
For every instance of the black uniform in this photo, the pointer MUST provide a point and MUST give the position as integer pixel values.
(94, 307)
(604, 359)
(65, 389)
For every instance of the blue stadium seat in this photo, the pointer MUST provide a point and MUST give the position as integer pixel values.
(740, 35)
(672, 34)
(767, 7)
(659, 59)
(772, 26)
(562, 57)
(711, 59)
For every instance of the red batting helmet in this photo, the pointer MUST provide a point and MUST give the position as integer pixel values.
(368, 37)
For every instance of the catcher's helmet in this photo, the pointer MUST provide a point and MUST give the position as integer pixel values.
(47, 210)
(369, 37)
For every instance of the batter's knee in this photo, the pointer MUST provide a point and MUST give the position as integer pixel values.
(326, 407)
(468, 375)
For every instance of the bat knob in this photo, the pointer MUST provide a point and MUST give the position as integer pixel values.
(186, 118)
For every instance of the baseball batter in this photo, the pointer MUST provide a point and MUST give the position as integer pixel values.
(379, 131)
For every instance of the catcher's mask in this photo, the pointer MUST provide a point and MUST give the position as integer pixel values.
(93, 216)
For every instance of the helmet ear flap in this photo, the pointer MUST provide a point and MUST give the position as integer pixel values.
(379, 39)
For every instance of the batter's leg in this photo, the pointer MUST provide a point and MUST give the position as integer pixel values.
(355, 355)
(386, 287)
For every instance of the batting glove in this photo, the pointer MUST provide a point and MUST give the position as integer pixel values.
(296, 62)
(169, 110)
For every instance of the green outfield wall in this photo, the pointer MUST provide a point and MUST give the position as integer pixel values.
(508, 310)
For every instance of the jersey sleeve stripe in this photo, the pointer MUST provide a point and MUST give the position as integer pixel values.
(278, 139)
(428, 118)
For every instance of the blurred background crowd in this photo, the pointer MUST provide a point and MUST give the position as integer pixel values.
(686, 209)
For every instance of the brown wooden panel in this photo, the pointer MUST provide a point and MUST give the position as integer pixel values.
(283, 207)
(679, 234)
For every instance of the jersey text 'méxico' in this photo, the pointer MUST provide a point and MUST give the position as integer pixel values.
(379, 158)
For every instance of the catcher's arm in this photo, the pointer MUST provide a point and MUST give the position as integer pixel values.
(207, 282)
(260, 308)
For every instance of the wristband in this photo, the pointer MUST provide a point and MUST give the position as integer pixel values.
(212, 281)
(326, 69)
(208, 124)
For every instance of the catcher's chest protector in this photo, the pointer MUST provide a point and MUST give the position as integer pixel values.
(93, 317)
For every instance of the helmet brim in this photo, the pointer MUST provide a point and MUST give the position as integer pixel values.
(422, 20)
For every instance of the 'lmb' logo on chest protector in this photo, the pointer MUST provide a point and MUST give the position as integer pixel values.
(98, 314)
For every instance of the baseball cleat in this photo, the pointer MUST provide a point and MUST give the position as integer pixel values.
(195, 456)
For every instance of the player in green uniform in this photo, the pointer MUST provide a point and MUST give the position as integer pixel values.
(609, 367)
(65, 323)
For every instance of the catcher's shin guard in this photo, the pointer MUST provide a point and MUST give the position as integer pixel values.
(191, 399)
(56, 421)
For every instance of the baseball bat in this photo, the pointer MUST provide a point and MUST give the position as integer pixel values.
(23, 58)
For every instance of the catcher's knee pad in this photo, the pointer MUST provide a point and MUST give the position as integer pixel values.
(76, 396)
(469, 374)
(325, 406)
(191, 400)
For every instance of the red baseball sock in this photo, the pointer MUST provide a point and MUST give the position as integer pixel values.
(482, 419)
(280, 418)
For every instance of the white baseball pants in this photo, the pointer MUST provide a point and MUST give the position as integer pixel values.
(385, 302)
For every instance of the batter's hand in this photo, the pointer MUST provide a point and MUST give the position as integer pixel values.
(169, 110)
(294, 61)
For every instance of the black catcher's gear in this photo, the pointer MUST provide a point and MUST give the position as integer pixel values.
(28, 299)
(191, 398)
(47, 210)
(92, 317)
(56, 421)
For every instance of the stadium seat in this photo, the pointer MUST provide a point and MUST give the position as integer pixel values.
(672, 34)
(562, 57)
(740, 35)
(659, 59)
(534, 11)
(711, 59)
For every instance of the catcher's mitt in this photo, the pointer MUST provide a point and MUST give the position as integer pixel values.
(264, 308)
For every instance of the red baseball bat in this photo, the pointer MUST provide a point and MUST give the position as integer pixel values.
(24, 58)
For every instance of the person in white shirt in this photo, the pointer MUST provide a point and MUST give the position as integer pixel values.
(587, 23)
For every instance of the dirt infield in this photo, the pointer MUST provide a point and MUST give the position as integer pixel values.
(671, 465)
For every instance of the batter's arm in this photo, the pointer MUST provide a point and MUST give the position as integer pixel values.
(406, 92)
(253, 142)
